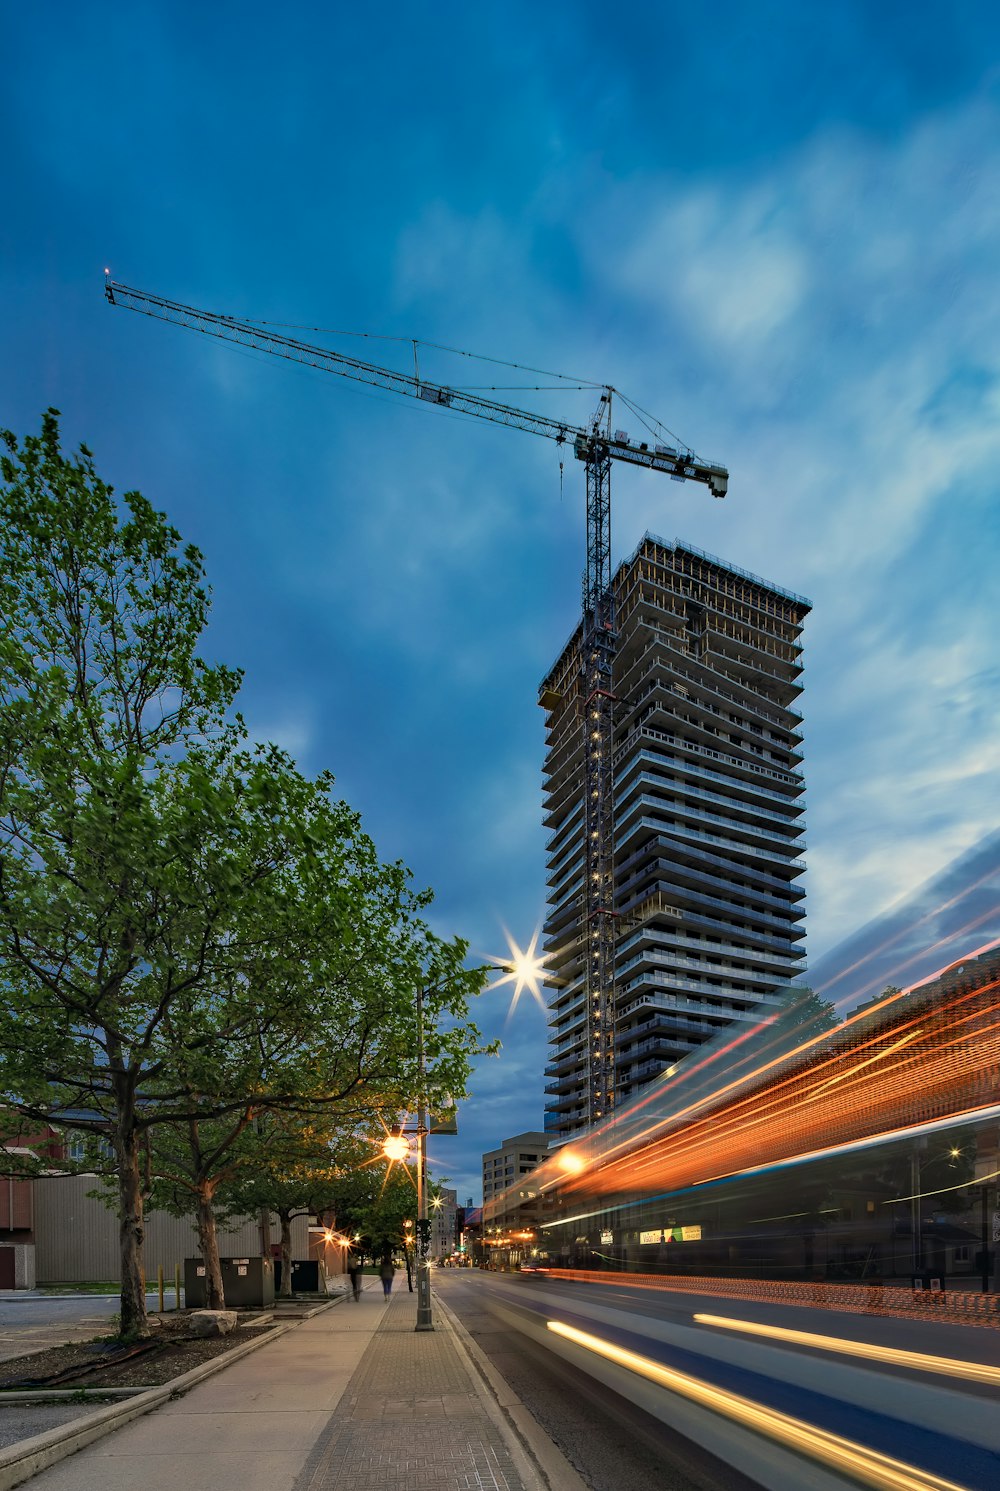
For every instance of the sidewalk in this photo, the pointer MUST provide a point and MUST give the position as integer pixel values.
(351, 1400)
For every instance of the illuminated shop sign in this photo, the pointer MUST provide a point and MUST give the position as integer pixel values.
(672, 1234)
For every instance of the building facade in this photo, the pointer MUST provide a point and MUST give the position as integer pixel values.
(515, 1157)
(707, 821)
(442, 1218)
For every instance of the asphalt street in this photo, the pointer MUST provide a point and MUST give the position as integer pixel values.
(32, 1322)
(611, 1444)
(929, 1416)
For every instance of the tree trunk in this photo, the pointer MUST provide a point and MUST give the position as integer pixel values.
(208, 1244)
(409, 1270)
(131, 1231)
(286, 1253)
(264, 1221)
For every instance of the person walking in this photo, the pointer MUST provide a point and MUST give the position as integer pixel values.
(355, 1271)
(387, 1273)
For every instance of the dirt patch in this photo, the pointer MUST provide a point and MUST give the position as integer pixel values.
(103, 1362)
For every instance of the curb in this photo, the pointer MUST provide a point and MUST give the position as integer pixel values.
(540, 1463)
(26, 1458)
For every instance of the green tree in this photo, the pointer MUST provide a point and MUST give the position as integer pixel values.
(101, 694)
(190, 931)
(375, 1204)
(292, 1166)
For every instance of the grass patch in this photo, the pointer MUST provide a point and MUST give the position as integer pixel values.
(102, 1286)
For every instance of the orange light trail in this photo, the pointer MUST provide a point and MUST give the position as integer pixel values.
(911, 1060)
(917, 1361)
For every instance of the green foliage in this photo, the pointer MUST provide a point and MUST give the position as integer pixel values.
(374, 1203)
(192, 933)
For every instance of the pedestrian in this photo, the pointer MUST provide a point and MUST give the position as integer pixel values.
(355, 1272)
(386, 1273)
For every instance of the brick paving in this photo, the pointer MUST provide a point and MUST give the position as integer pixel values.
(410, 1418)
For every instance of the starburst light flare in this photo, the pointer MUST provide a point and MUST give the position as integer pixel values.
(525, 970)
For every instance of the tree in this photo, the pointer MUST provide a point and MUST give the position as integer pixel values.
(292, 1167)
(321, 1050)
(191, 932)
(101, 693)
(375, 1204)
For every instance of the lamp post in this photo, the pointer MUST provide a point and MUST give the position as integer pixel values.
(424, 1318)
(424, 1321)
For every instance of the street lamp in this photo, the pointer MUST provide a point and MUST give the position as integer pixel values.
(424, 1320)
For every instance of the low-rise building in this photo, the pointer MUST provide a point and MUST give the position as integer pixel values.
(516, 1157)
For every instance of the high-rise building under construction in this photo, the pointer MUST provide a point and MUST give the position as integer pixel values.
(706, 823)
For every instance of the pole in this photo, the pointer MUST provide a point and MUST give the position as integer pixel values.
(916, 1220)
(984, 1256)
(424, 1321)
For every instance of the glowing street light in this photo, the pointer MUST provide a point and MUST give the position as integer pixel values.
(524, 969)
(396, 1147)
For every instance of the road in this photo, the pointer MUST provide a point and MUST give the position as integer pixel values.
(624, 1432)
(30, 1322)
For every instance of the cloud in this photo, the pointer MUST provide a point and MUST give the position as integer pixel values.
(731, 271)
(293, 732)
(827, 324)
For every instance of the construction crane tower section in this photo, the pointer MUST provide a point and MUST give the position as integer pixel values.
(596, 445)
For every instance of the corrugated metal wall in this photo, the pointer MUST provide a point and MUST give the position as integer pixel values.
(76, 1236)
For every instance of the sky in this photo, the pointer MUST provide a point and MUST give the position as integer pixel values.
(776, 227)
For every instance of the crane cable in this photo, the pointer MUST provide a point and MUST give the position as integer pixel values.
(572, 380)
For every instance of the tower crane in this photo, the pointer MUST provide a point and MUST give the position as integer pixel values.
(596, 445)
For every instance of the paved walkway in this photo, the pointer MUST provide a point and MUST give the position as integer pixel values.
(351, 1400)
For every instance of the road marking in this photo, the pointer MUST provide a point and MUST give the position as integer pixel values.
(919, 1361)
(865, 1465)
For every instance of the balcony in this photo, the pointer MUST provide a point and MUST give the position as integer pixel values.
(676, 742)
(679, 807)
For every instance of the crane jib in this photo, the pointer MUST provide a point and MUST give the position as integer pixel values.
(681, 465)
(597, 447)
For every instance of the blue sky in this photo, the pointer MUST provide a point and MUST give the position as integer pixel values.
(775, 226)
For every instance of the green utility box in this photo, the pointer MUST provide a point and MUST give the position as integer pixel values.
(305, 1275)
(247, 1282)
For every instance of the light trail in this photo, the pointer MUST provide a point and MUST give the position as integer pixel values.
(912, 927)
(857, 1461)
(781, 1078)
(852, 1146)
(846, 1087)
(918, 1361)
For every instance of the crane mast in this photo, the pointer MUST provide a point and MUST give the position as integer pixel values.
(596, 446)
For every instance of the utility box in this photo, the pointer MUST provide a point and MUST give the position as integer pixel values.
(246, 1282)
(305, 1275)
(17, 1266)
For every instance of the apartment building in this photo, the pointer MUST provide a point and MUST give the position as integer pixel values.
(707, 826)
(515, 1157)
